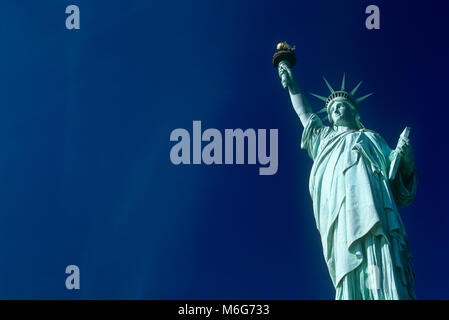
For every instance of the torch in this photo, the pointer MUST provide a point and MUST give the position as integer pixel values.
(284, 54)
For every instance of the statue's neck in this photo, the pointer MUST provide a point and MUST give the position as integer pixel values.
(341, 129)
(345, 126)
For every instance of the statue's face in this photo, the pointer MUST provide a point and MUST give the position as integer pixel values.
(342, 113)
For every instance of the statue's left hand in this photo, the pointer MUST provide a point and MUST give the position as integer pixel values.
(404, 148)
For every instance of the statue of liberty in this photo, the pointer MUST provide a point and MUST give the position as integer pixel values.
(356, 183)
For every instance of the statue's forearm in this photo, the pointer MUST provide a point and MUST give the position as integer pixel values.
(299, 102)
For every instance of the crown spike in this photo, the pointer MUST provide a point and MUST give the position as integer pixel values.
(328, 85)
(319, 97)
(363, 98)
(322, 110)
(356, 88)
(343, 82)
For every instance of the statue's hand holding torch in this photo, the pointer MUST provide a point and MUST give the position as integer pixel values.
(285, 73)
(284, 59)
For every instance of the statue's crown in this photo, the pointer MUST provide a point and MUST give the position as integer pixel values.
(340, 94)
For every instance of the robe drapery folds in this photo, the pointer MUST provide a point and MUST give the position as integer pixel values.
(354, 204)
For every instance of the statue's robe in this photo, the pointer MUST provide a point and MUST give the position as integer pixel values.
(354, 203)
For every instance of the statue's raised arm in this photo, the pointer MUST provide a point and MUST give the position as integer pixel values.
(284, 60)
(299, 100)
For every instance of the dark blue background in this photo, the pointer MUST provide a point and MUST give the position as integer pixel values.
(85, 120)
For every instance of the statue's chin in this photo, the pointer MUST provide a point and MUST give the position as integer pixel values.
(344, 122)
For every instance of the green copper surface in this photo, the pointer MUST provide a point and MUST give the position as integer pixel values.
(356, 196)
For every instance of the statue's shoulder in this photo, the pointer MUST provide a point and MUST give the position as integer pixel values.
(371, 133)
(375, 137)
(327, 132)
(328, 129)
(316, 125)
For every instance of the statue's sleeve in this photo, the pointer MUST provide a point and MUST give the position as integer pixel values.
(312, 135)
(404, 190)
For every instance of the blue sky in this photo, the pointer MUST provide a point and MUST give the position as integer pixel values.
(85, 120)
